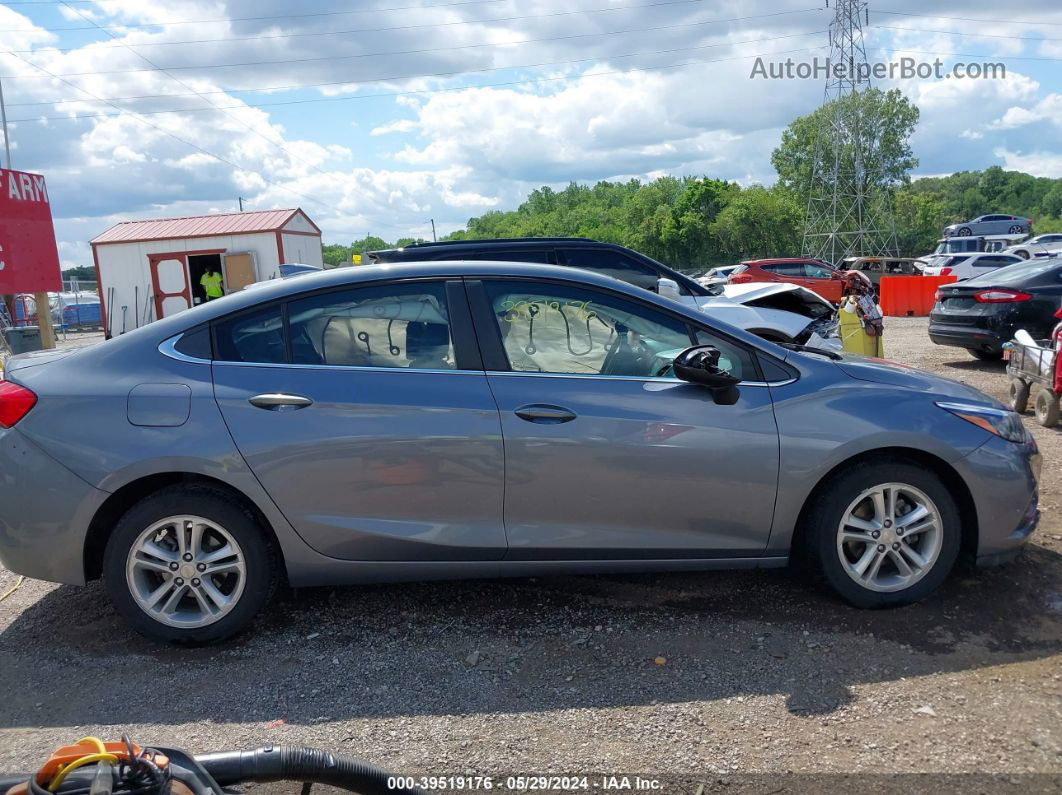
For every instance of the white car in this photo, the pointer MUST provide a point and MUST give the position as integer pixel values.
(966, 266)
(717, 275)
(1039, 246)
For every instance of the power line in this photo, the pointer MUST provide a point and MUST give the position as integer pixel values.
(1038, 23)
(317, 59)
(506, 84)
(207, 152)
(180, 82)
(966, 33)
(381, 10)
(419, 51)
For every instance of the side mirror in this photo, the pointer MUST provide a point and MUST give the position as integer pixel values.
(668, 288)
(700, 365)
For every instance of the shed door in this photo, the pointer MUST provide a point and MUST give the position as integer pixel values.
(239, 271)
(169, 281)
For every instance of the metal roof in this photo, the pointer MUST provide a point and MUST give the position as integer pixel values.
(199, 226)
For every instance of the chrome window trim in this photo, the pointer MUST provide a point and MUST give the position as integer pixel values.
(343, 367)
(167, 348)
(643, 379)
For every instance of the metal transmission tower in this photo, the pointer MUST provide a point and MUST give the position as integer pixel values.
(849, 211)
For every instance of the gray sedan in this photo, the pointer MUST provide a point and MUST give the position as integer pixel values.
(459, 419)
(991, 225)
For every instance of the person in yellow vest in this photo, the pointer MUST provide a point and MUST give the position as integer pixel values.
(211, 283)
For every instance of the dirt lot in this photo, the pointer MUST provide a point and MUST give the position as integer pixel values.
(709, 674)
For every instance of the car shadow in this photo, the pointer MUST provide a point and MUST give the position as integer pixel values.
(977, 365)
(522, 645)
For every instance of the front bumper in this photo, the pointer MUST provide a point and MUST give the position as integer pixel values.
(45, 510)
(1003, 479)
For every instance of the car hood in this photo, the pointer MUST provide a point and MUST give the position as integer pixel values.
(754, 291)
(883, 371)
(752, 317)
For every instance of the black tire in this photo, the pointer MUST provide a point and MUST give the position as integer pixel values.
(1021, 253)
(1047, 408)
(1019, 395)
(965, 232)
(825, 512)
(1016, 230)
(987, 356)
(261, 561)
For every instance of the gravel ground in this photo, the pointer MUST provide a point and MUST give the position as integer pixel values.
(709, 674)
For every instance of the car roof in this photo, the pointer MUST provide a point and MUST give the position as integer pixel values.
(782, 260)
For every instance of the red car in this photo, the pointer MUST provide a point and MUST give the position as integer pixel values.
(816, 275)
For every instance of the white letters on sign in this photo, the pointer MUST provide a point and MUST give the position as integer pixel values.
(25, 187)
(2, 263)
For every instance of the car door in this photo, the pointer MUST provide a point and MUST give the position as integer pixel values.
(822, 280)
(607, 456)
(366, 415)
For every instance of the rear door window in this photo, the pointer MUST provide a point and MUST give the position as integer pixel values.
(793, 270)
(614, 264)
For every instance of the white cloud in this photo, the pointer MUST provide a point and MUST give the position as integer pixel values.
(1040, 163)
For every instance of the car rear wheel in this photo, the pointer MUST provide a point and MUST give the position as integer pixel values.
(1016, 230)
(884, 534)
(189, 565)
(1019, 395)
(987, 356)
(1021, 253)
(1047, 408)
(964, 232)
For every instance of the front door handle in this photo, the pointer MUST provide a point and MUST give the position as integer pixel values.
(544, 414)
(278, 401)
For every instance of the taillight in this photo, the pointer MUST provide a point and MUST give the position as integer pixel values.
(945, 271)
(15, 403)
(739, 278)
(938, 296)
(1001, 296)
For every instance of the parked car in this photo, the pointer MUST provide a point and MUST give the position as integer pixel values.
(816, 275)
(991, 225)
(716, 275)
(876, 267)
(627, 265)
(981, 314)
(456, 419)
(966, 266)
(1039, 246)
(997, 243)
(959, 245)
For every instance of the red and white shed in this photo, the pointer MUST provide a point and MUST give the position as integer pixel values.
(153, 268)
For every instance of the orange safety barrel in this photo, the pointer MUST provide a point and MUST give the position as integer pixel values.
(909, 296)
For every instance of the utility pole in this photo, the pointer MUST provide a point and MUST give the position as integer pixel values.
(849, 211)
(240, 200)
(3, 118)
(433, 237)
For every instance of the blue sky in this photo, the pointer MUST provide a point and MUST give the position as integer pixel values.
(376, 116)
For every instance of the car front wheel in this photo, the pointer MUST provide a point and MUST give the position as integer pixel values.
(884, 534)
(189, 565)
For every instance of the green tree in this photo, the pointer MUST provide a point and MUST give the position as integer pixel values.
(84, 273)
(883, 121)
(760, 222)
(919, 218)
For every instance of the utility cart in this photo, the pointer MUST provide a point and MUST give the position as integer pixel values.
(1039, 364)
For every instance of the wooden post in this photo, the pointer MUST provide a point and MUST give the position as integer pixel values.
(44, 320)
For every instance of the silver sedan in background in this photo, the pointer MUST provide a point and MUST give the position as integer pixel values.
(474, 419)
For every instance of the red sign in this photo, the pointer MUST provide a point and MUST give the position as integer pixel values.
(29, 259)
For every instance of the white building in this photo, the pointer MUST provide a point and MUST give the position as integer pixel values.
(151, 269)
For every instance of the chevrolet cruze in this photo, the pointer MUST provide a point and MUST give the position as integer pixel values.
(457, 419)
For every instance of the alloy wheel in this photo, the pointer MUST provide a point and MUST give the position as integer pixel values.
(186, 571)
(889, 537)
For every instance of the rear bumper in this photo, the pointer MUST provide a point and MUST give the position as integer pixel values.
(45, 510)
(972, 337)
(1003, 480)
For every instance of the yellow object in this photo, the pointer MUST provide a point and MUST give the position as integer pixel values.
(212, 284)
(355, 259)
(854, 337)
(96, 741)
(85, 760)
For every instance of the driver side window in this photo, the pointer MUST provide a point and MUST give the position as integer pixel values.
(552, 328)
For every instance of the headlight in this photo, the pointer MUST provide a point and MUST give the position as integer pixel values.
(1004, 424)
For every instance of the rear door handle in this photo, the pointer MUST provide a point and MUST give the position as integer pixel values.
(544, 414)
(278, 401)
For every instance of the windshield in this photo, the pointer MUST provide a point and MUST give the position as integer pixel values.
(1013, 275)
